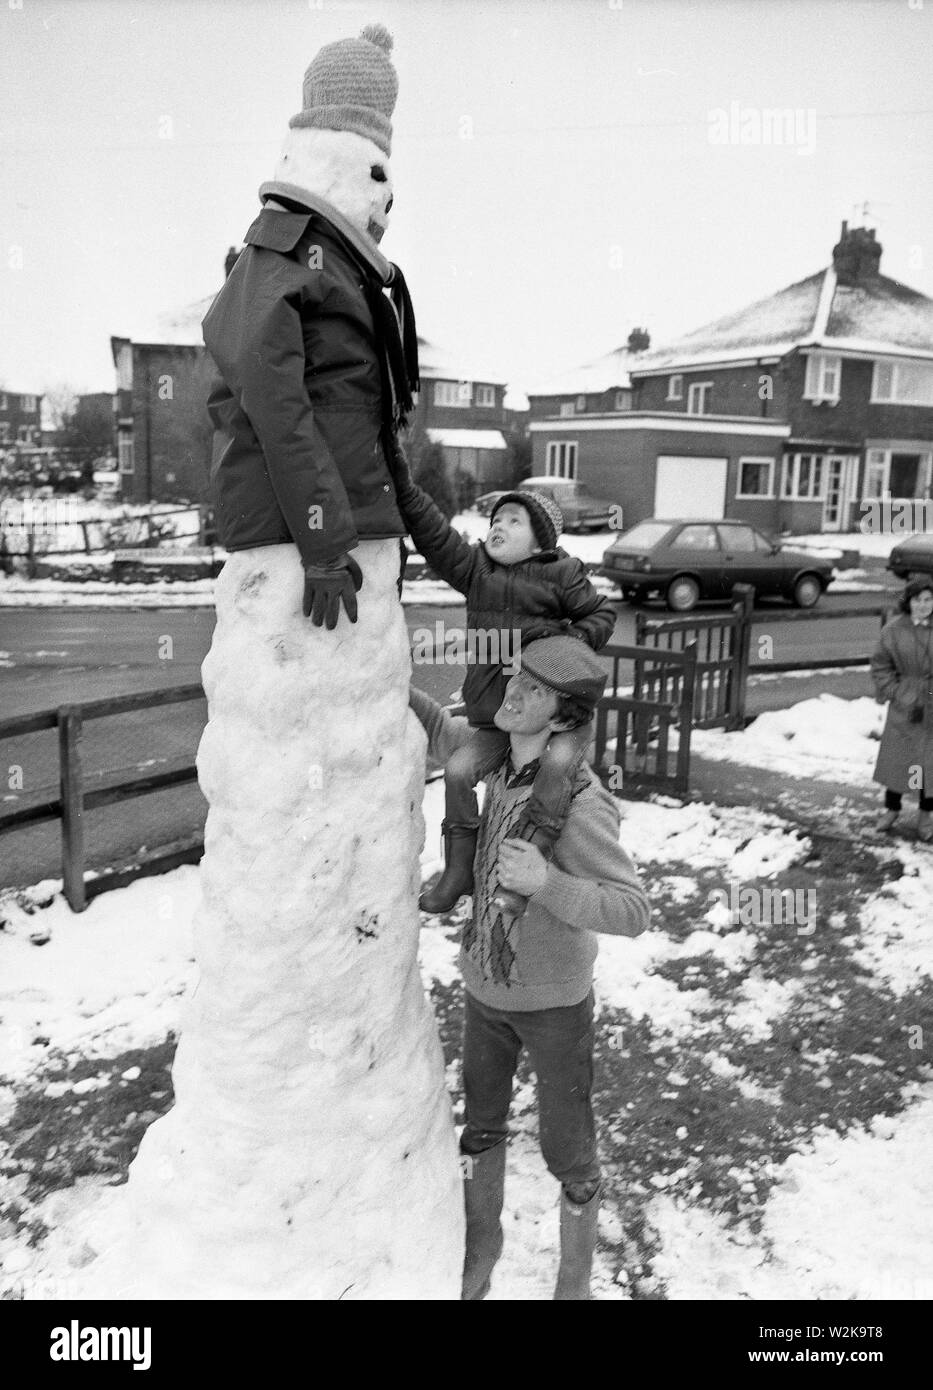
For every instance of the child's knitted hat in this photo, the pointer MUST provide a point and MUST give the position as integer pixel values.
(352, 85)
(547, 519)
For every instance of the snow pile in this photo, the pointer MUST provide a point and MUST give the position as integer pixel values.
(310, 1152)
(896, 928)
(97, 988)
(825, 738)
(751, 843)
(873, 1244)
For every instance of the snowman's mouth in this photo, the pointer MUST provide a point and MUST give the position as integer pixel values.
(376, 230)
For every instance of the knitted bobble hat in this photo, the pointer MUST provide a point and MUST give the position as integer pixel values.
(547, 519)
(352, 85)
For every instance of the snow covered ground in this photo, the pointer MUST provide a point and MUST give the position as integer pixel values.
(826, 738)
(751, 1151)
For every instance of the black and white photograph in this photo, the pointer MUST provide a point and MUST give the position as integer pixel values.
(466, 665)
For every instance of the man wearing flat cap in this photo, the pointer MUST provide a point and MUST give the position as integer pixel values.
(529, 980)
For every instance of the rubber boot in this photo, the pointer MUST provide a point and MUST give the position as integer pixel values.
(925, 826)
(457, 878)
(483, 1191)
(577, 1243)
(506, 899)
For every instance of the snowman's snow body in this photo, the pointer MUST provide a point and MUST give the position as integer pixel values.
(310, 1152)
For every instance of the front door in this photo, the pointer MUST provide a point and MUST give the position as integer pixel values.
(840, 474)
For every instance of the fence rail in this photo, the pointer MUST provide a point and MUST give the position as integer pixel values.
(144, 521)
(74, 798)
(635, 732)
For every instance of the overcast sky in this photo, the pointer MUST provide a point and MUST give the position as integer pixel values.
(557, 176)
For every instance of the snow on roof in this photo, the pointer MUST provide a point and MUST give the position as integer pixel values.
(175, 328)
(433, 363)
(468, 439)
(592, 378)
(769, 326)
(878, 315)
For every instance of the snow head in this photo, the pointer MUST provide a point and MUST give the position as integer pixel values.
(338, 145)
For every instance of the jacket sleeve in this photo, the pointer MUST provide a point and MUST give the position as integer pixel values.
(591, 881)
(445, 550)
(884, 670)
(592, 615)
(254, 334)
(446, 732)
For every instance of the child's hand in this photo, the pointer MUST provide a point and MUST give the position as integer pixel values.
(522, 867)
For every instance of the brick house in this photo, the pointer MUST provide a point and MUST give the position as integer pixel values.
(20, 419)
(465, 412)
(790, 413)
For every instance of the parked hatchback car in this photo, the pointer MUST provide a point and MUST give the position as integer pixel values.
(485, 503)
(912, 556)
(687, 560)
(582, 510)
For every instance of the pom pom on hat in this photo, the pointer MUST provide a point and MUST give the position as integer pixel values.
(352, 85)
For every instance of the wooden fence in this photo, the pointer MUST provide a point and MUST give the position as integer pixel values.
(73, 800)
(633, 732)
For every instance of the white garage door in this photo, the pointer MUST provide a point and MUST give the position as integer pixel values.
(690, 487)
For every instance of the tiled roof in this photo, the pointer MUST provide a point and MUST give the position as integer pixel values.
(878, 315)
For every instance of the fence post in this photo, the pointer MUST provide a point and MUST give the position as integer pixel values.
(743, 606)
(87, 542)
(72, 797)
(685, 717)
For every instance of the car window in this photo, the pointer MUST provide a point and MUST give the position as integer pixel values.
(762, 542)
(737, 538)
(696, 538)
(645, 534)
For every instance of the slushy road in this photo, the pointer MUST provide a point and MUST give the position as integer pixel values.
(56, 656)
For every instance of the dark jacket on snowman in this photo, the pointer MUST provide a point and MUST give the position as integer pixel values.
(301, 406)
(541, 597)
(902, 670)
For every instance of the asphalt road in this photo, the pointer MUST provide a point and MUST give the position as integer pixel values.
(50, 657)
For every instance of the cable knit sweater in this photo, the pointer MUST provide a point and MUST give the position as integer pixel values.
(545, 959)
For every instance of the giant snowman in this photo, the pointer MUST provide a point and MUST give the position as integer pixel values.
(310, 1152)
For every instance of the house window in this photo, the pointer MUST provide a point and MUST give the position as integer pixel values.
(28, 404)
(897, 473)
(697, 397)
(452, 393)
(485, 395)
(126, 452)
(4, 432)
(566, 408)
(675, 387)
(802, 477)
(902, 383)
(3, 401)
(581, 404)
(756, 478)
(824, 374)
(621, 401)
(561, 461)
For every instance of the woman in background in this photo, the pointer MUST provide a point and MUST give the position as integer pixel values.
(902, 670)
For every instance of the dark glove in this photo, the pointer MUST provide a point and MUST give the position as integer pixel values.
(325, 585)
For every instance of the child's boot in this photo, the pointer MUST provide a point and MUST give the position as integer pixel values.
(505, 899)
(457, 878)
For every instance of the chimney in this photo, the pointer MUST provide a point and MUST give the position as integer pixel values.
(856, 255)
(232, 257)
(639, 340)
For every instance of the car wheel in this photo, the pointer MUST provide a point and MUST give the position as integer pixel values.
(682, 593)
(807, 591)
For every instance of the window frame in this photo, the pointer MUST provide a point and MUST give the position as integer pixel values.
(464, 399)
(755, 496)
(554, 451)
(566, 410)
(880, 363)
(126, 449)
(678, 394)
(819, 364)
(793, 473)
(485, 397)
(704, 391)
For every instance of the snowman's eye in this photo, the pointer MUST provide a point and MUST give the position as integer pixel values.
(378, 173)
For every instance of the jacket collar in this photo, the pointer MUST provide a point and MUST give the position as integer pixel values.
(314, 203)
